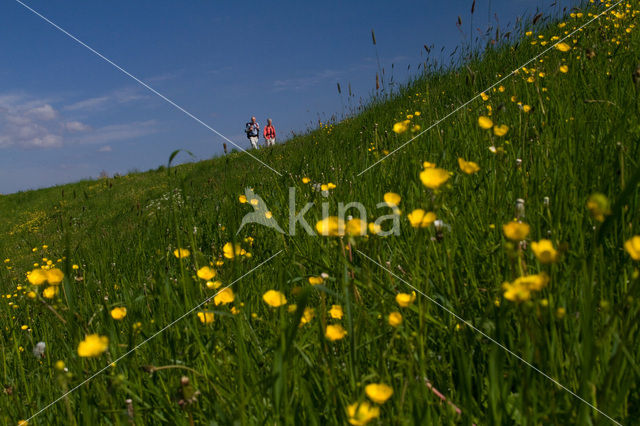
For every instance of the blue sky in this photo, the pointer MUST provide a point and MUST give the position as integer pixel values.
(65, 114)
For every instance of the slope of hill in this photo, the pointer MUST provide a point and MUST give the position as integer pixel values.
(515, 301)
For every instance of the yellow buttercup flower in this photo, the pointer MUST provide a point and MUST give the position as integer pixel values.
(563, 47)
(306, 180)
(544, 251)
(526, 108)
(395, 319)
(378, 392)
(374, 228)
(274, 298)
(484, 96)
(356, 227)
(516, 292)
(205, 317)
(392, 198)
(315, 280)
(50, 292)
(335, 332)
(214, 284)
(500, 130)
(93, 345)
(224, 297)
(118, 313)
(433, 178)
(336, 312)
(516, 231)
(468, 167)
(37, 276)
(632, 246)
(428, 165)
(564, 69)
(331, 226)
(405, 300)
(307, 316)
(401, 126)
(362, 413)
(206, 273)
(242, 198)
(231, 250)
(421, 219)
(181, 253)
(55, 276)
(485, 122)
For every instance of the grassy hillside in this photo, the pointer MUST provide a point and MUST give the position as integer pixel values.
(476, 342)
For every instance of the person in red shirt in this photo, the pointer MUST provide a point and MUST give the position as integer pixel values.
(269, 133)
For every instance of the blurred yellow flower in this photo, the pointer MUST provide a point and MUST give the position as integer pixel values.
(500, 130)
(205, 317)
(544, 251)
(307, 316)
(37, 276)
(274, 298)
(433, 178)
(362, 413)
(356, 227)
(564, 69)
(214, 284)
(224, 296)
(336, 312)
(485, 122)
(526, 108)
(401, 126)
(598, 205)
(468, 167)
(374, 228)
(392, 198)
(484, 96)
(231, 250)
(306, 180)
(378, 392)
(93, 345)
(335, 332)
(563, 47)
(118, 313)
(395, 319)
(242, 199)
(428, 165)
(516, 231)
(421, 219)
(632, 246)
(181, 253)
(516, 292)
(405, 300)
(331, 226)
(206, 273)
(50, 292)
(55, 276)
(315, 280)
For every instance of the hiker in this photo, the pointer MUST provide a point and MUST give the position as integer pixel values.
(269, 134)
(252, 129)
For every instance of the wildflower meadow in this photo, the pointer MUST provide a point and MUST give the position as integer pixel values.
(464, 250)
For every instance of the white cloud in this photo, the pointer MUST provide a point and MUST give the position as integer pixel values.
(117, 97)
(32, 123)
(119, 132)
(76, 126)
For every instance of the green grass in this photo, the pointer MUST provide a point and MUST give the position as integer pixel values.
(258, 366)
